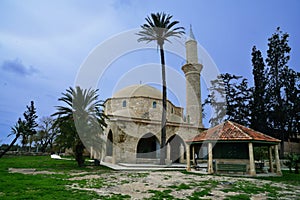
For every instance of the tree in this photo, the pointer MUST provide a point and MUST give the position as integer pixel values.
(230, 99)
(160, 28)
(24, 128)
(46, 134)
(259, 112)
(277, 59)
(217, 100)
(81, 114)
(292, 103)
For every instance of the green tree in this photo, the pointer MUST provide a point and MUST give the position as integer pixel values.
(231, 99)
(24, 128)
(277, 59)
(160, 28)
(217, 100)
(258, 109)
(292, 103)
(80, 117)
(18, 130)
(46, 134)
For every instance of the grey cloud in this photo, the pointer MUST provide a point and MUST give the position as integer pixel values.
(17, 67)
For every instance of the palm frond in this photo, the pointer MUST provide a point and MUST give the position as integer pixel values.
(159, 28)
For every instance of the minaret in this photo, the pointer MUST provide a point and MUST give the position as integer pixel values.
(192, 70)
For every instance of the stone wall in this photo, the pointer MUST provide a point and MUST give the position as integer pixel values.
(127, 133)
(142, 107)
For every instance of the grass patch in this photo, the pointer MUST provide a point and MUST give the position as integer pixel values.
(201, 193)
(20, 186)
(138, 175)
(238, 197)
(115, 197)
(165, 194)
(182, 186)
(246, 187)
(287, 178)
(41, 186)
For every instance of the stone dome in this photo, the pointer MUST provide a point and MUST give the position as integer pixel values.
(138, 91)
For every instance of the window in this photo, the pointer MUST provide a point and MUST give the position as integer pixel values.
(154, 104)
(124, 103)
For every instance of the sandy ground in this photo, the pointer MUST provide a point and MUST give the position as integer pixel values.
(138, 184)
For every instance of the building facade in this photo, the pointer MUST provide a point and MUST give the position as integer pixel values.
(133, 134)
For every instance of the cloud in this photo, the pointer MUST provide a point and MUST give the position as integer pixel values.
(17, 67)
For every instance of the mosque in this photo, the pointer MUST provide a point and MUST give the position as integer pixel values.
(133, 131)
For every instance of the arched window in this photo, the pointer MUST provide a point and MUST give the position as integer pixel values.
(154, 104)
(124, 104)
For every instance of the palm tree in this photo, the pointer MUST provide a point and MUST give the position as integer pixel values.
(19, 131)
(160, 28)
(81, 114)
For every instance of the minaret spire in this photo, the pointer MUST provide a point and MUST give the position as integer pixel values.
(192, 36)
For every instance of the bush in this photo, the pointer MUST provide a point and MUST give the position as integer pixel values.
(293, 162)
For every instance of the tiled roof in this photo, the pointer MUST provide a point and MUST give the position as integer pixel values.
(231, 131)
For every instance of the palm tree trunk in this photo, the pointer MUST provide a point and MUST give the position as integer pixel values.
(164, 111)
(11, 144)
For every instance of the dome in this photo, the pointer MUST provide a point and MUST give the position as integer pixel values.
(138, 91)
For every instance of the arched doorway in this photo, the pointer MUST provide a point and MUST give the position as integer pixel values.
(109, 144)
(147, 146)
(176, 148)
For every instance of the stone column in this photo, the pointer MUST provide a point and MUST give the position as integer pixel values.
(168, 156)
(188, 158)
(251, 160)
(271, 159)
(113, 157)
(278, 168)
(91, 153)
(193, 154)
(210, 169)
(181, 152)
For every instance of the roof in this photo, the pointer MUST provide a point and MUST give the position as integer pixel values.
(231, 131)
(138, 91)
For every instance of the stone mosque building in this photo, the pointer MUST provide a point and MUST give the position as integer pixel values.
(133, 133)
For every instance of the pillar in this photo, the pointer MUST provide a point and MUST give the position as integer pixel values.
(210, 169)
(277, 161)
(181, 151)
(251, 160)
(193, 154)
(271, 159)
(168, 157)
(91, 153)
(188, 158)
(113, 154)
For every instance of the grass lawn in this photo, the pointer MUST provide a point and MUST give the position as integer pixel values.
(67, 181)
(41, 186)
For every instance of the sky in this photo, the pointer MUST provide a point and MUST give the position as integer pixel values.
(44, 45)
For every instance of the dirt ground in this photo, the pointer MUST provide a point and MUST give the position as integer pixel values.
(143, 185)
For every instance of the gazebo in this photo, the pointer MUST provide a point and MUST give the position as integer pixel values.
(229, 147)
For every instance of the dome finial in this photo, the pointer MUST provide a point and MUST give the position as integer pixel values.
(191, 33)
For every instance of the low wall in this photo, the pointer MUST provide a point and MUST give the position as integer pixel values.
(23, 153)
(291, 147)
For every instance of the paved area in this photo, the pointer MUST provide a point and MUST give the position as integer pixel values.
(172, 167)
(143, 167)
